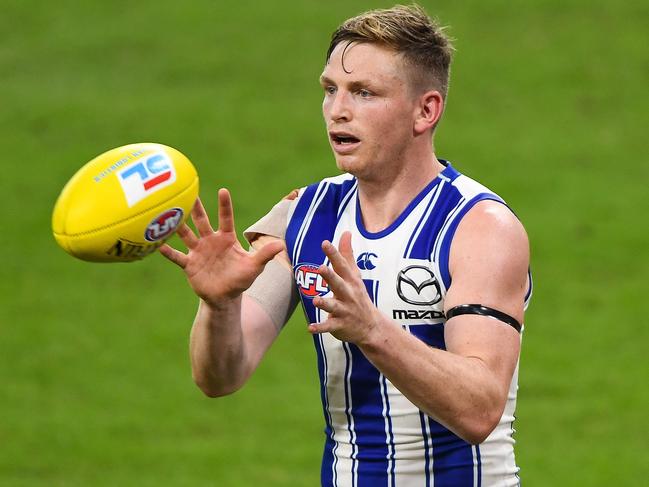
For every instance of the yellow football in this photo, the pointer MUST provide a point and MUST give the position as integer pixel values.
(125, 203)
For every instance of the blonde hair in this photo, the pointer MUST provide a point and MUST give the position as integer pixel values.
(409, 31)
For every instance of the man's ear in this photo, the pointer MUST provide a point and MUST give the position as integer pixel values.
(429, 111)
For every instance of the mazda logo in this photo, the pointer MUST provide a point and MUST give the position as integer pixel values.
(416, 284)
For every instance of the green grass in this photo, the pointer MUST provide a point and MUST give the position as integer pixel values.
(547, 107)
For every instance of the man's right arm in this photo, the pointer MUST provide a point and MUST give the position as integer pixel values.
(232, 330)
(227, 343)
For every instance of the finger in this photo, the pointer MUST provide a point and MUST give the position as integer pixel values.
(345, 249)
(187, 236)
(264, 254)
(330, 305)
(226, 213)
(175, 256)
(327, 326)
(337, 260)
(335, 283)
(201, 220)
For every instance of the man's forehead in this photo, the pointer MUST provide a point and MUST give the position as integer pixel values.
(362, 59)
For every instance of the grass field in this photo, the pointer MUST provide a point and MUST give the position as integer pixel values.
(548, 106)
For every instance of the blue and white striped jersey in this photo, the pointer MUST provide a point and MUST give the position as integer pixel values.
(374, 435)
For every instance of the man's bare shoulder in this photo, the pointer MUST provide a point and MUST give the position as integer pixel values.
(489, 259)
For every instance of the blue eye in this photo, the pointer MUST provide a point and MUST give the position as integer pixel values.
(330, 90)
(364, 93)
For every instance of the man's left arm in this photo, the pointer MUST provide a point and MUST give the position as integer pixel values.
(464, 387)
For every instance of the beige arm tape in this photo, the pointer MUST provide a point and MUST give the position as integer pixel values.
(274, 289)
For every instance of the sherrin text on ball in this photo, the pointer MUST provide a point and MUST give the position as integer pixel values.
(125, 203)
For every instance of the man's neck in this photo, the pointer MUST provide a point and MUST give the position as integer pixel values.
(382, 200)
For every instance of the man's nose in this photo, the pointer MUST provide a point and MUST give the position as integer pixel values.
(340, 108)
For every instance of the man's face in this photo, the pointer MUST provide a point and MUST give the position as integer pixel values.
(368, 108)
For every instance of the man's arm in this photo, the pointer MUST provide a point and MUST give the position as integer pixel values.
(231, 331)
(464, 387)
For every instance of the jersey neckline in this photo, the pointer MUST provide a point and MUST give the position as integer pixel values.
(448, 173)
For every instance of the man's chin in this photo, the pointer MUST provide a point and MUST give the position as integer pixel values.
(349, 164)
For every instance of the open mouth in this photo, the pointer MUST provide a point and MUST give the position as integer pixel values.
(344, 139)
(343, 142)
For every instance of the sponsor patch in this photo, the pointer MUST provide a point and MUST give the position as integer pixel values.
(163, 225)
(416, 284)
(145, 176)
(309, 281)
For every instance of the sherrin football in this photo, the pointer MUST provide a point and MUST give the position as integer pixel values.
(125, 203)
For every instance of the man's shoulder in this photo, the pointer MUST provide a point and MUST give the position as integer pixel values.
(470, 188)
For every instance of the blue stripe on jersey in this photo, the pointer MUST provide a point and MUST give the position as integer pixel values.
(479, 461)
(423, 246)
(432, 201)
(452, 456)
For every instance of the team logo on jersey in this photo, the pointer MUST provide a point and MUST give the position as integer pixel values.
(416, 284)
(146, 176)
(309, 281)
(163, 225)
(364, 261)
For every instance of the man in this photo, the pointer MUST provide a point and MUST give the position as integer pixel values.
(412, 276)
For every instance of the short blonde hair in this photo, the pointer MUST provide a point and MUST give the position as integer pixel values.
(409, 31)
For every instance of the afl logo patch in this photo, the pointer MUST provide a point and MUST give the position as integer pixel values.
(163, 225)
(309, 281)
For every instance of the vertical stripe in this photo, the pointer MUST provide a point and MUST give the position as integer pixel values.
(427, 446)
(348, 412)
(328, 473)
(389, 434)
(479, 462)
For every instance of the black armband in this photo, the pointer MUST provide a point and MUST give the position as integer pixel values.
(478, 309)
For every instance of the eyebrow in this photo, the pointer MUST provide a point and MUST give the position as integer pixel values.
(324, 80)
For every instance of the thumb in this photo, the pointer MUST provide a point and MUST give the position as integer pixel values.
(264, 254)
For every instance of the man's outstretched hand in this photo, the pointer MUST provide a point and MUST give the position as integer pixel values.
(218, 268)
(352, 317)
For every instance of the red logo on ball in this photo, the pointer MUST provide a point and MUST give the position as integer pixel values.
(163, 225)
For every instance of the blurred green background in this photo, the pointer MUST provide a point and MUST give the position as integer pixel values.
(548, 106)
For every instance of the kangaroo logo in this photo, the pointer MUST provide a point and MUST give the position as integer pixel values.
(364, 261)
